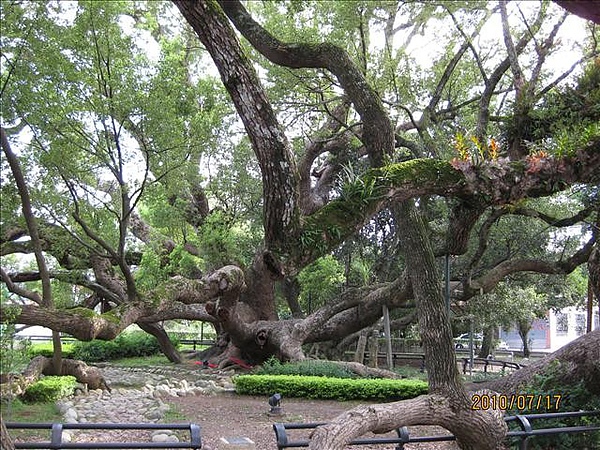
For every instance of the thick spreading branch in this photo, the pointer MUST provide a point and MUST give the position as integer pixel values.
(423, 410)
(168, 301)
(29, 216)
(378, 135)
(489, 184)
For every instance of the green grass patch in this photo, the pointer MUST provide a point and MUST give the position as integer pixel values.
(410, 372)
(47, 349)
(17, 411)
(174, 415)
(329, 388)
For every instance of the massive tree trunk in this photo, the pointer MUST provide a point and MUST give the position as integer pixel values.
(487, 345)
(524, 326)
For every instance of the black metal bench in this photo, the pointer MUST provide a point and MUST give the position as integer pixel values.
(56, 431)
(522, 438)
(489, 363)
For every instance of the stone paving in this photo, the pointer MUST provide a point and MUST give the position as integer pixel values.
(137, 397)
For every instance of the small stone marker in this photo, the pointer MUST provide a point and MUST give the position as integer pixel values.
(235, 443)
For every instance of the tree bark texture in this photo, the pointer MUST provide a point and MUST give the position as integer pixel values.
(423, 410)
(6, 442)
(378, 135)
(279, 173)
(165, 344)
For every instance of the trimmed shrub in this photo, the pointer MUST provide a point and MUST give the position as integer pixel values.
(50, 389)
(329, 388)
(308, 367)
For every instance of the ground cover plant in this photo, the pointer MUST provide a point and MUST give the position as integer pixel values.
(50, 388)
(309, 367)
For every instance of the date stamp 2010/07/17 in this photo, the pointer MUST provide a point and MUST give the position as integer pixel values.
(522, 402)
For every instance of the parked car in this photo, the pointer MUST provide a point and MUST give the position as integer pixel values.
(463, 340)
(502, 345)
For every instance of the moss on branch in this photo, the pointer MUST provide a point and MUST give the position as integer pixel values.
(361, 198)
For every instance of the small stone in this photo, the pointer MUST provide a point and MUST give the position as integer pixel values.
(154, 414)
(238, 443)
(161, 438)
(71, 413)
(157, 432)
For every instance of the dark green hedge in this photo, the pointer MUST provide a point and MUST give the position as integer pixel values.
(329, 388)
(127, 345)
(49, 389)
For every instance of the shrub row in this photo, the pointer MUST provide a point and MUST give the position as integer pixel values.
(329, 388)
(308, 367)
(50, 389)
(127, 345)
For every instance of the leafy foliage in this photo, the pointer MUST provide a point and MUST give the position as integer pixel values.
(14, 352)
(567, 119)
(320, 281)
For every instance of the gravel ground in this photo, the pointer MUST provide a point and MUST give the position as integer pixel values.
(138, 395)
(231, 415)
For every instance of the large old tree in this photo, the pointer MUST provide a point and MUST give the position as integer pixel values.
(352, 146)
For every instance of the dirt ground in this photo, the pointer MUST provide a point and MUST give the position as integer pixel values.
(232, 415)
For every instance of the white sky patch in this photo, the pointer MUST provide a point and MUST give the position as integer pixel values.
(63, 12)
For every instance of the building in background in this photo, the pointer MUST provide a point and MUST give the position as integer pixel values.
(551, 333)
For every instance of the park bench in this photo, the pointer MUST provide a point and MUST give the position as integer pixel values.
(486, 363)
(56, 431)
(521, 437)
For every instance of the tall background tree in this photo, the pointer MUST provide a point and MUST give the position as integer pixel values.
(165, 189)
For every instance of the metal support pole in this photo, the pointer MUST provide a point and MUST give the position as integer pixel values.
(471, 353)
(447, 281)
(590, 306)
(388, 336)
